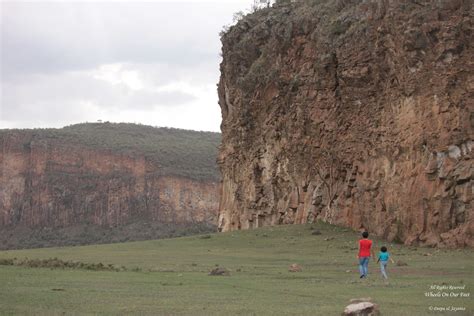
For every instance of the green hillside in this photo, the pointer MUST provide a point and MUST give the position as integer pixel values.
(170, 277)
(178, 152)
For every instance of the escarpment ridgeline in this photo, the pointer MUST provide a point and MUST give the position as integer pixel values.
(106, 175)
(359, 113)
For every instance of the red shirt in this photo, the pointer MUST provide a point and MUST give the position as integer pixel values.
(364, 247)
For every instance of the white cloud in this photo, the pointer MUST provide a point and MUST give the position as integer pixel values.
(116, 74)
(154, 62)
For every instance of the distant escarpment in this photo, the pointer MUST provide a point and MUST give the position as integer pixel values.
(105, 182)
(359, 113)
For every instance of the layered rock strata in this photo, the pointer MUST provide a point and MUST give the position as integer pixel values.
(50, 183)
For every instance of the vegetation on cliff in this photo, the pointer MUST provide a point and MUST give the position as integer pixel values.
(178, 152)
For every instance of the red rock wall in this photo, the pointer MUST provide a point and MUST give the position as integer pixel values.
(359, 113)
(47, 183)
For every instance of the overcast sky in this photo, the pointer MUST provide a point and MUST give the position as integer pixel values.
(154, 63)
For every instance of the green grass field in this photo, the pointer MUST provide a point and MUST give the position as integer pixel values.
(172, 276)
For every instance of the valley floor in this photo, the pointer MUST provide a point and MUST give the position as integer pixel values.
(170, 276)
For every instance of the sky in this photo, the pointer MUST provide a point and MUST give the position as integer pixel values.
(154, 63)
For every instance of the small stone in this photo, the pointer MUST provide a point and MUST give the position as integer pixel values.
(220, 271)
(295, 268)
(401, 263)
(316, 232)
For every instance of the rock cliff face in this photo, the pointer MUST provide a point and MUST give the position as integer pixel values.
(359, 113)
(46, 182)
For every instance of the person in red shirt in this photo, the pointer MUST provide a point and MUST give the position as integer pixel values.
(365, 249)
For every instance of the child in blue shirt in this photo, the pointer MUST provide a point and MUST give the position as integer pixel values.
(383, 259)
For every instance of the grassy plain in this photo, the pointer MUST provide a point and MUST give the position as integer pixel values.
(171, 276)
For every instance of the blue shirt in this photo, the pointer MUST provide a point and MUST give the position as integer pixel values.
(383, 256)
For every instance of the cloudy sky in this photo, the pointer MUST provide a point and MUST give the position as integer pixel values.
(154, 62)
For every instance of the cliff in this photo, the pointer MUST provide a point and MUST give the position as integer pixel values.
(106, 175)
(359, 113)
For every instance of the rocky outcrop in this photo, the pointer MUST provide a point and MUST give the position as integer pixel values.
(49, 183)
(359, 113)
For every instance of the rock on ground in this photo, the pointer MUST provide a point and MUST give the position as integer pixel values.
(220, 271)
(295, 268)
(361, 307)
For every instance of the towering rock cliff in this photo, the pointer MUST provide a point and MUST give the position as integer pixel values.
(359, 113)
(107, 175)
